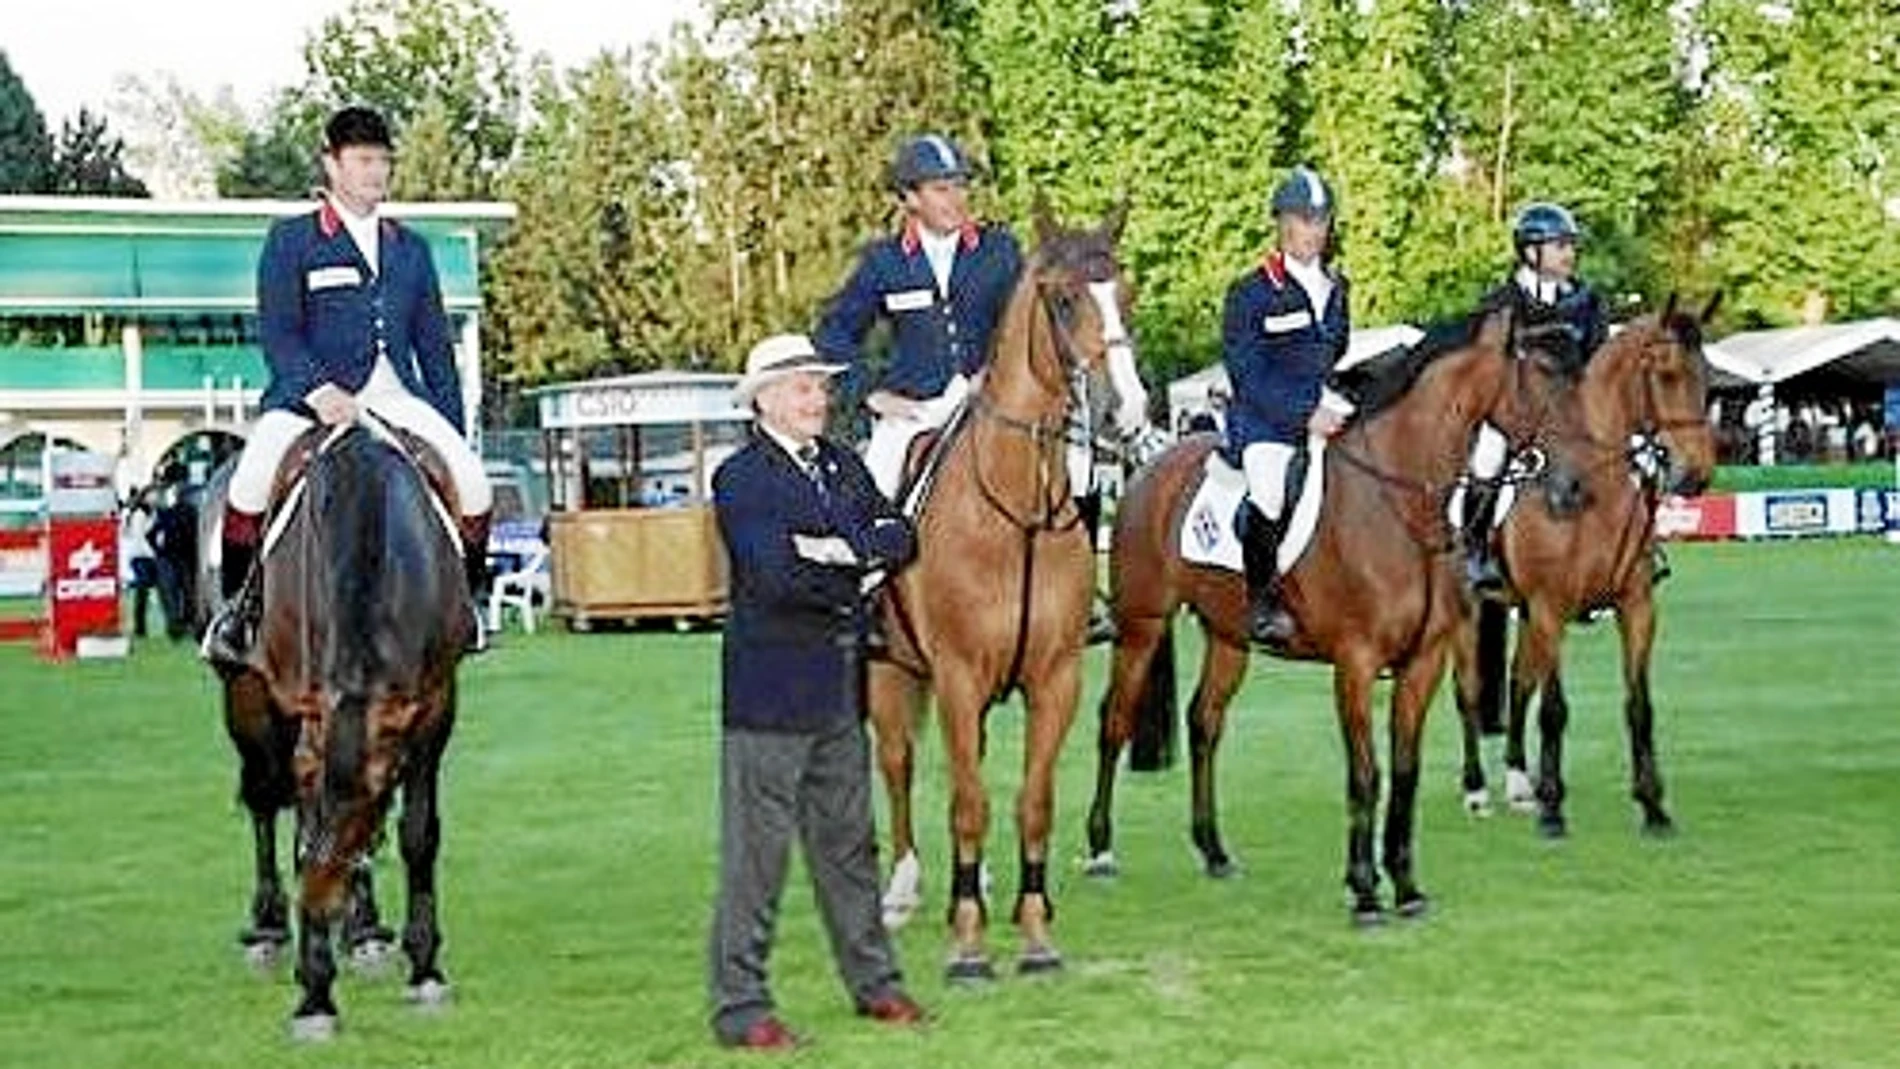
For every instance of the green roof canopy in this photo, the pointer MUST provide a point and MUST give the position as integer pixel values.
(74, 255)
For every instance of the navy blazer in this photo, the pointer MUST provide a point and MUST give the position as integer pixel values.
(795, 628)
(933, 337)
(323, 315)
(1578, 316)
(1279, 351)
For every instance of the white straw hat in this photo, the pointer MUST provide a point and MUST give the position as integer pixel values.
(776, 357)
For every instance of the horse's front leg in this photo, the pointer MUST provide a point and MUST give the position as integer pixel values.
(1222, 669)
(961, 708)
(894, 697)
(1539, 661)
(1352, 697)
(1136, 642)
(1529, 665)
(1636, 623)
(1468, 686)
(1411, 697)
(1050, 709)
(319, 903)
(421, 836)
(264, 743)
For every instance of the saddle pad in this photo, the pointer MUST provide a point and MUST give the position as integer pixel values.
(1208, 536)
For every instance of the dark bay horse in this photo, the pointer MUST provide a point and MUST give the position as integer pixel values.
(998, 597)
(1636, 425)
(1373, 591)
(350, 693)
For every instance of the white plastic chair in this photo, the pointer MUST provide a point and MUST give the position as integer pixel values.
(519, 590)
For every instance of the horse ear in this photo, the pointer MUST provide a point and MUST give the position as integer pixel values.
(1115, 220)
(1669, 309)
(1708, 311)
(1045, 219)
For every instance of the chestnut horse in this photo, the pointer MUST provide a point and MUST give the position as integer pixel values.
(1636, 425)
(350, 693)
(998, 597)
(1374, 590)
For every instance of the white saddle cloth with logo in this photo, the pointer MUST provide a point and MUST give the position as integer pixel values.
(1208, 536)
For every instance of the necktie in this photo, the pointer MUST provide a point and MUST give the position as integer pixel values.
(808, 459)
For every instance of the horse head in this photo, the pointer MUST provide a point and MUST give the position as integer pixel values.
(1651, 386)
(1078, 282)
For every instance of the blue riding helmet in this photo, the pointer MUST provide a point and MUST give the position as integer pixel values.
(1542, 222)
(1303, 193)
(928, 158)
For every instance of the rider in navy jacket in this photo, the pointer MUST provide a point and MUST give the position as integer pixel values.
(1285, 326)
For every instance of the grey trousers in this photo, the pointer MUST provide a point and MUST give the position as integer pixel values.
(775, 786)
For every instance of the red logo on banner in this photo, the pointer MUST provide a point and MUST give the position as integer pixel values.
(1696, 517)
(84, 555)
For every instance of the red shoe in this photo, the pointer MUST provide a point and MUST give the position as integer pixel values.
(766, 1034)
(896, 1008)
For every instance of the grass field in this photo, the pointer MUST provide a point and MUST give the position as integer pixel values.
(578, 856)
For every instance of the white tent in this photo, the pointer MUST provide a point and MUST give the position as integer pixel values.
(1868, 350)
(1189, 394)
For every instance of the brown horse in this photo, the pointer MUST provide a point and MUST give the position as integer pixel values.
(1635, 425)
(998, 597)
(350, 693)
(1372, 591)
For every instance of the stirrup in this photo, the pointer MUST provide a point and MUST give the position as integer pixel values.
(227, 640)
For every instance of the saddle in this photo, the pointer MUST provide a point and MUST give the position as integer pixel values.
(924, 459)
(287, 486)
(1210, 532)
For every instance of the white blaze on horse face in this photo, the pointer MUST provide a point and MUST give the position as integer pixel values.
(1133, 410)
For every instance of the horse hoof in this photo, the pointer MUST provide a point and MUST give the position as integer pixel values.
(1367, 916)
(371, 959)
(973, 970)
(1414, 906)
(1102, 865)
(896, 919)
(1659, 827)
(1039, 962)
(264, 955)
(1478, 803)
(316, 1028)
(429, 995)
(1519, 791)
(1551, 826)
(1222, 868)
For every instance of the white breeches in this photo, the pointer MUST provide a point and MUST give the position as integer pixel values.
(1488, 455)
(1265, 464)
(891, 436)
(278, 429)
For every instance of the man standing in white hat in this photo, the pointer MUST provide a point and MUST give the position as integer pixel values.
(803, 524)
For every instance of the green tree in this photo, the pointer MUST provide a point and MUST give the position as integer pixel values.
(26, 153)
(278, 156)
(453, 63)
(89, 161)
(1798, 162)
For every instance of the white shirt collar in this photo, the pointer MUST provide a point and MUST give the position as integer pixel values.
(1312, 277)
(364, 230)
(941, 251)
(1541, 289)
(785, 442)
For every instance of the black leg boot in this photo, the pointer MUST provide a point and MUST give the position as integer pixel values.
(1101, 624)
(1482, 576)
(1268, 622)
(475, 573)
(227, 641)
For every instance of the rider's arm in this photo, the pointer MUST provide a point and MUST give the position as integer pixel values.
(879, 534)
(1243, 348)
(1330, 397)
(764, 559)
(847, 320)
(280, 315)
(435, 349)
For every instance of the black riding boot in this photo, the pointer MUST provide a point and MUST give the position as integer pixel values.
(475, 573)
(1101, 624)
(228, 637)
(1268, 622)
(1482, 575)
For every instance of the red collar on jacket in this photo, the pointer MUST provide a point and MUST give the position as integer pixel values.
(913, 238)
(1274, 267)
(329, 220)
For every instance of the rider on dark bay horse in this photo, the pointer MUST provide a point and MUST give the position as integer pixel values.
(350, 318)
(1556, 314)
(941, 282)
(1286, 324)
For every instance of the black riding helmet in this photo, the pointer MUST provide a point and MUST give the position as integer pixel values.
(928, 158)
(356, 126)
(1542, 222)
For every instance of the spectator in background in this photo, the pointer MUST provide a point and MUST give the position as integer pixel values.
(136, 548)
(174, 538)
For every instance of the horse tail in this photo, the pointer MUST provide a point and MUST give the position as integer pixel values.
(1493, 628)
(1152, 747)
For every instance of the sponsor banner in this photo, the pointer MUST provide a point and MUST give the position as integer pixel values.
(1797, 513)
(1707, 517)
(83, 585)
